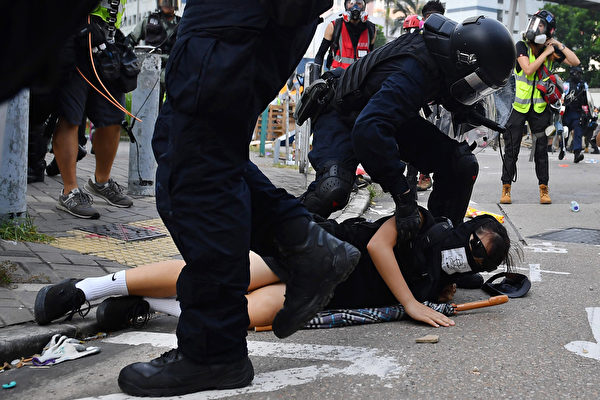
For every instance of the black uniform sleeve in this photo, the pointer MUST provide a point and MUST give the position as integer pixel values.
(295, 13)
(325, 45)
(521, 48)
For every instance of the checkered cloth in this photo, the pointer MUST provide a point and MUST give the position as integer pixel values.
(360, 316)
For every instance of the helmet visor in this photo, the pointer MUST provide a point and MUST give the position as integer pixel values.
(355, 4)
(470, 89)
(536, 30)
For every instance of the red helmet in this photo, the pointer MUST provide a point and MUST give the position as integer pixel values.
(412, 21)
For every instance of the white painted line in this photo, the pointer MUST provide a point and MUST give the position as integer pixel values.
(534, 273)
(545, 247)
(340, 360)
(589, 349)
(545, 271)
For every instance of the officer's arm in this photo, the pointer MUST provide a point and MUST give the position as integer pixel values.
(381, 250)
(138, 32)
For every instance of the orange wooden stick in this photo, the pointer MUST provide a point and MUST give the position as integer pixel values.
(263, 328)
(492, 301)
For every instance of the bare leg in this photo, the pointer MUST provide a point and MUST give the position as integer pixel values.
(264, 303)
(260, 274)
(106, 143)
(64, 145)
(154, 280)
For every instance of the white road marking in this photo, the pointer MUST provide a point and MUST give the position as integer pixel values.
(545, 247)
(341, 360)
(546, 271)
(589, 349)
(534, 273)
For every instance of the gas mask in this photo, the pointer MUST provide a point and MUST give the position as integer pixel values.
(462, 245)
(355, 11)
(536, 31)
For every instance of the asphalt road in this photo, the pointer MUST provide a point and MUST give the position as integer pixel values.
(520, 350)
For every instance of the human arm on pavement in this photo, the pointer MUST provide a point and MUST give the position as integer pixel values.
(381, 250)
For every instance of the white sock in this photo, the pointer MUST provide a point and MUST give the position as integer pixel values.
(169, 305)
(107, 285)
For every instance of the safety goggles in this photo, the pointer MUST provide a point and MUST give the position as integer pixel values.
(478, 251)
(470, 89)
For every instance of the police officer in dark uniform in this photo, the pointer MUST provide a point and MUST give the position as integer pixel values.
(577, 110)
(374, 115)
(159, 30)
(217, 205)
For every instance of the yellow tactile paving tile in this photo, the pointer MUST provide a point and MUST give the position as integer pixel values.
(127, 253)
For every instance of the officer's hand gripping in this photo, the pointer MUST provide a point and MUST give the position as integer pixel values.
(408, 218)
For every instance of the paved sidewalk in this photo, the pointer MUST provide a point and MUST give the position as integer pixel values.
(78, 252)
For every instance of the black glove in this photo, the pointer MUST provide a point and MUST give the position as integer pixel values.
(408, 219)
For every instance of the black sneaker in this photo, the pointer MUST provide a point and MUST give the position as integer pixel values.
(54, 301)
(315, 268)
(116, 313)
(78, 203)
(111, 192)
(173, 374)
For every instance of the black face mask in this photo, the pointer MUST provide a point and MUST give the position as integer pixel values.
(458, 256)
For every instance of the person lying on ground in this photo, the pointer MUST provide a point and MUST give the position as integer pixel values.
(422, 269)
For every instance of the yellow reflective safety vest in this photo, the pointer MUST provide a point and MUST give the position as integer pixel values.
(526, 92)
(102, 11)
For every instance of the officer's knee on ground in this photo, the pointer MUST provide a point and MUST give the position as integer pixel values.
(331, 192)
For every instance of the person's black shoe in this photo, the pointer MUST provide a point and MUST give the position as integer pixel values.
(52, 168)
(468, 281)
(35, 175)
(54, 301)
(577, 156)
(173, 374)
(315, 268)
(596, 151)
(116, 313)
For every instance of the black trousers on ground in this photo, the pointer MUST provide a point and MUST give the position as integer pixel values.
(512, 143)
(216, 204)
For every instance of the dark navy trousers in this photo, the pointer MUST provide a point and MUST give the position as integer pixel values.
(216, 204)
(571, 119)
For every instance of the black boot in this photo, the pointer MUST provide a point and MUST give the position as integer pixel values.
(314, 269)
(577, 156)
(116, 313)
(173, 374)
(35, 173)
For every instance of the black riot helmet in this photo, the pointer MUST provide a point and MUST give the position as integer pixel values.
(576, 73)
(475, 57)
(541, 27)
(167, 3)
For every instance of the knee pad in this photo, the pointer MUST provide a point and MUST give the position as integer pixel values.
(332, 190)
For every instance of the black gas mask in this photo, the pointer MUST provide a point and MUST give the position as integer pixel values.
(576, 73)
(355, 11)
(463, 251)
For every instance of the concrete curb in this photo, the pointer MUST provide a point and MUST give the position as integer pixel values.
(24, 340)
(27, 339)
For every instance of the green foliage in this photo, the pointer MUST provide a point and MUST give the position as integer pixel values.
(406, 8)
(380, 39)
(22, 229)
(579, 30)
(7, 269)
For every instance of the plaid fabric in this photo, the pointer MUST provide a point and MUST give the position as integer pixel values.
(360, 316)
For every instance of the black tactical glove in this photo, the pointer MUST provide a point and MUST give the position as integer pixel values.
(408, 219)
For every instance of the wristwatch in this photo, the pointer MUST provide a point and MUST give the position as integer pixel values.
(562, 46)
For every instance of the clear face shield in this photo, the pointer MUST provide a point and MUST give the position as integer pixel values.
(536, 30)
(470, 89)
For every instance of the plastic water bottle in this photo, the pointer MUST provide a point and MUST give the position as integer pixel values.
(574, 206)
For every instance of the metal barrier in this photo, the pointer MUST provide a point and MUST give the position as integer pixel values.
(14, 125)
(144, 104)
